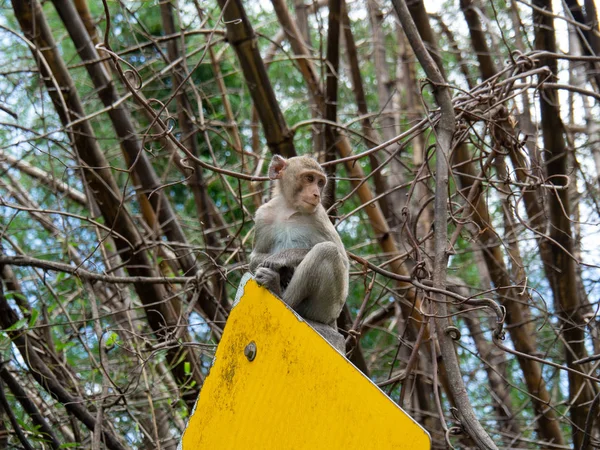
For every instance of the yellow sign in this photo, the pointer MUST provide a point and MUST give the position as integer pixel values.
(277, 384)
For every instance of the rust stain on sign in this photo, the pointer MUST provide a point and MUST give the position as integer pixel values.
(297, 393)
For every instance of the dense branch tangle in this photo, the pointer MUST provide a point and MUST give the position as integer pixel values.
(127, 200)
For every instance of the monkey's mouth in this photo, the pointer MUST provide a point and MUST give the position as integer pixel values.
(314, 205)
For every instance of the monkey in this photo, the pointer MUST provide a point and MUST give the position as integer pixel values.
(298, 254)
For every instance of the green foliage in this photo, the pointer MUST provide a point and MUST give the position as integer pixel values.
(127, 366)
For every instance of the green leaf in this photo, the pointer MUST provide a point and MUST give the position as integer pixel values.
(60, 277)
(112, 339)
(17, 325)
(33, 319)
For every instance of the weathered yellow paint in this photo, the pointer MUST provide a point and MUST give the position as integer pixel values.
(298, 392)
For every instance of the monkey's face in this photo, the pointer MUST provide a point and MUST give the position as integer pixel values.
(308, 188)
(301, 180)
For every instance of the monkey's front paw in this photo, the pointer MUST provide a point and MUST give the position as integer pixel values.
(272, 264)
(268, 278)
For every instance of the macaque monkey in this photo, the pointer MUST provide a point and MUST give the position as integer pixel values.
(298, 255)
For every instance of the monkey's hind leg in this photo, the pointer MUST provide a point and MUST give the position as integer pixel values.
(330, 334)
(319, 286)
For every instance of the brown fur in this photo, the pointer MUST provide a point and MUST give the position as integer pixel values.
(297, 252)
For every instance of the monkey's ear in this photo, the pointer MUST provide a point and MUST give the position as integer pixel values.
(277, 166)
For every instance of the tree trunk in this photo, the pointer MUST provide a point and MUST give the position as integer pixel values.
(567, 301)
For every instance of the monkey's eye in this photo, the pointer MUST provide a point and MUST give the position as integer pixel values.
(321, 183)
(310, 178)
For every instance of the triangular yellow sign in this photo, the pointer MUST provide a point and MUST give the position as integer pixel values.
(277, 384)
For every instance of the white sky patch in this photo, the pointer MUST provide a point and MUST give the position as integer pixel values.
(433, 6)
